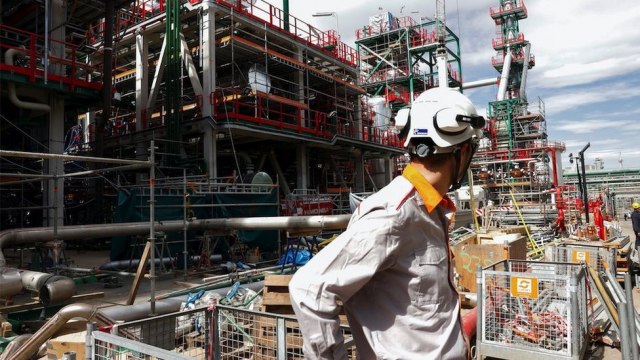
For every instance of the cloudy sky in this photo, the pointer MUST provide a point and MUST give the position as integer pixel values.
(587, 57)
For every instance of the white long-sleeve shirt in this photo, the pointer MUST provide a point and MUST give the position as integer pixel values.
(391, 269)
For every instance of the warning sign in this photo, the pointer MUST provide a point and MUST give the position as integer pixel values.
(524, 287)
(580, 256)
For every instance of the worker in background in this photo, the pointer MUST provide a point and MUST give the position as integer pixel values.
(635, 221)
(391, 269)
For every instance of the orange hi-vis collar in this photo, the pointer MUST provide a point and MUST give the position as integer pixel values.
(428, 193)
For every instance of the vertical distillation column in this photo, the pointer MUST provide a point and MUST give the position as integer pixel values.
(208, 64)
(511, 46)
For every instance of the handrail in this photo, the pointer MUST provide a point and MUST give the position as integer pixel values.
(74, 70)
(272, 16)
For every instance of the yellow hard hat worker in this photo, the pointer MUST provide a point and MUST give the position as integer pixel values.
(635, 205)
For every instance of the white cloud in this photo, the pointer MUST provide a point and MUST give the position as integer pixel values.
(586, 54)
(580, 97)
(589, 126)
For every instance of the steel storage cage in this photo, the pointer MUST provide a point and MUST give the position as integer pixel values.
(601, 258)
(532, 309)
(216, 332)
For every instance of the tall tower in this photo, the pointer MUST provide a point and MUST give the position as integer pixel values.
(515, 160)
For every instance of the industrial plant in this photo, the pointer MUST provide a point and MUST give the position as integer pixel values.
(209, 148)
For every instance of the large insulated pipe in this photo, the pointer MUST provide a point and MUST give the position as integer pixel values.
(443, 71)
(119, 265)
(11, 87)
(163, 306)
(31, 345)
(51, 289)
(525, 68)
(479, 83)
(10, 282)
(504, 77)
(142, 310)
(79, 232)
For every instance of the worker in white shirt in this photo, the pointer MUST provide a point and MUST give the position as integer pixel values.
(392, 267)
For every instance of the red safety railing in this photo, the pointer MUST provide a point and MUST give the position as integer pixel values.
(517, 8)
(424, 37)
(518, 57)
(137, 12)
(402, 22)
(67, 64)
(274, 18)
(261, 109)
(500, 42)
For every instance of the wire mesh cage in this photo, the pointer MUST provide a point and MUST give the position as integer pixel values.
(221, 332)
(530, 308)
(241, 334)
(182, 333)
(600, 258)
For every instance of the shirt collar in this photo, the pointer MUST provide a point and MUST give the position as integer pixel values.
(428, 193)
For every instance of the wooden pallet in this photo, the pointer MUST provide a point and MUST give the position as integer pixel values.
(275, 300)
(275, 296)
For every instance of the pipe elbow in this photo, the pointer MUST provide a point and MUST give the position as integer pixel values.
(11, 87)
(57, 290)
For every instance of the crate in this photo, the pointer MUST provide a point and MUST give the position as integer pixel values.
(531, 309)
(600, 258)
(483, 250)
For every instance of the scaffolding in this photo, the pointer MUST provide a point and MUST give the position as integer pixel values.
(226, 88)
(398, 57)
(516, 162)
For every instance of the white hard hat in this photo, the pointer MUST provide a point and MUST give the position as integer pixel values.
(444, 115)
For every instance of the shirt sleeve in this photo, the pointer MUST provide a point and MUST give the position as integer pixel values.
(336, 273)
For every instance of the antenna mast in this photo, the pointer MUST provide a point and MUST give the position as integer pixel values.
(441, 52)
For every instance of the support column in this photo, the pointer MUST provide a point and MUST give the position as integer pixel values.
(302, 167)
(208, 58)
(142, 81)
(388, 167)
(143, 113)
(211, 152)
(55, 188)
(208, 62)
(358, 182)
(302, 89)
(358, 120)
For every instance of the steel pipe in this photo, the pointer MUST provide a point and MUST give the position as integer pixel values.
(81, 232)
(57, 290)
(163, 306)
(51, 289)
(11, 86)
(120, 265)
(32, 344)
(14, 345)
(10, 282)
